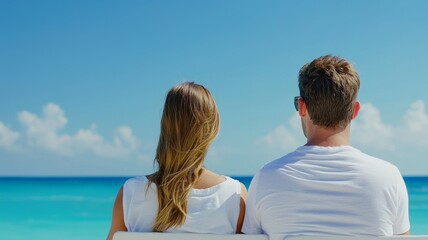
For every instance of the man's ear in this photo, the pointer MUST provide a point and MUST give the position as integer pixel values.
(302, 108)
(356, 110)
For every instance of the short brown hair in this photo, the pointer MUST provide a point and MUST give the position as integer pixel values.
(329, 86)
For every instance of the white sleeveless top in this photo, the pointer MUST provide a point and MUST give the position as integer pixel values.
(211, 210)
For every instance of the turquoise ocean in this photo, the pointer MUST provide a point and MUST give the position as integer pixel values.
(80, 208)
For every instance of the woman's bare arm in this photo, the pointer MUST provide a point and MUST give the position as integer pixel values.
(241, 209)
(117, 222)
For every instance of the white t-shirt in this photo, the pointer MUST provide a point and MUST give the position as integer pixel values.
(211, 210)
(327, 191)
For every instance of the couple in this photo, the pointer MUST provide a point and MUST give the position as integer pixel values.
(325, 187)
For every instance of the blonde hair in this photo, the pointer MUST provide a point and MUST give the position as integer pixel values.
(190, 122)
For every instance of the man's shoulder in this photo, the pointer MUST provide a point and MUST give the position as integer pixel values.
(279, 163)
(348, 153)
(266, 178)
(382, 163)
(377, 170)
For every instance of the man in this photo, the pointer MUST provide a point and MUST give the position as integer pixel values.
(327, 187)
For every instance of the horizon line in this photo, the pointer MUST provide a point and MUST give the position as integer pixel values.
(131, 176)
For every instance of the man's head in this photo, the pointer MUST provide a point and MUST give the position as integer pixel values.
(329, 87)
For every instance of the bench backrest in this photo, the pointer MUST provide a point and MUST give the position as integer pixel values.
(184, 236)
(196, 236)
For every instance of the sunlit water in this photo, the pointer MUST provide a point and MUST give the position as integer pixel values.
(80, 208)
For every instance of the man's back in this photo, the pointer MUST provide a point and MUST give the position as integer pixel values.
(327, 191)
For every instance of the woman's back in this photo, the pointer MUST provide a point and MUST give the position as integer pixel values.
(182, 195)
(209, 210)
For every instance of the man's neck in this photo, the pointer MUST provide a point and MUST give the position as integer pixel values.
(319, 136)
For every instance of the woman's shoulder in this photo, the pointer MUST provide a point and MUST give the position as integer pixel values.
(212, 182)
(239, 186)
(135, 184)
(233, 181)
(136, 180)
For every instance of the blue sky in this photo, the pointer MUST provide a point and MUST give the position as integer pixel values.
(83, 82)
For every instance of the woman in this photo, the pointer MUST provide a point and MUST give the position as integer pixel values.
(182, 196)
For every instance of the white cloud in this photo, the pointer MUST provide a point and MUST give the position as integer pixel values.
(283, 139)
(144, 158)
(415, 129)
(369, 130)
(124, 136)
(44, 133)
(7, 137)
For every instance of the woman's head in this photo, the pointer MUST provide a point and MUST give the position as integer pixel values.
(190, 122)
